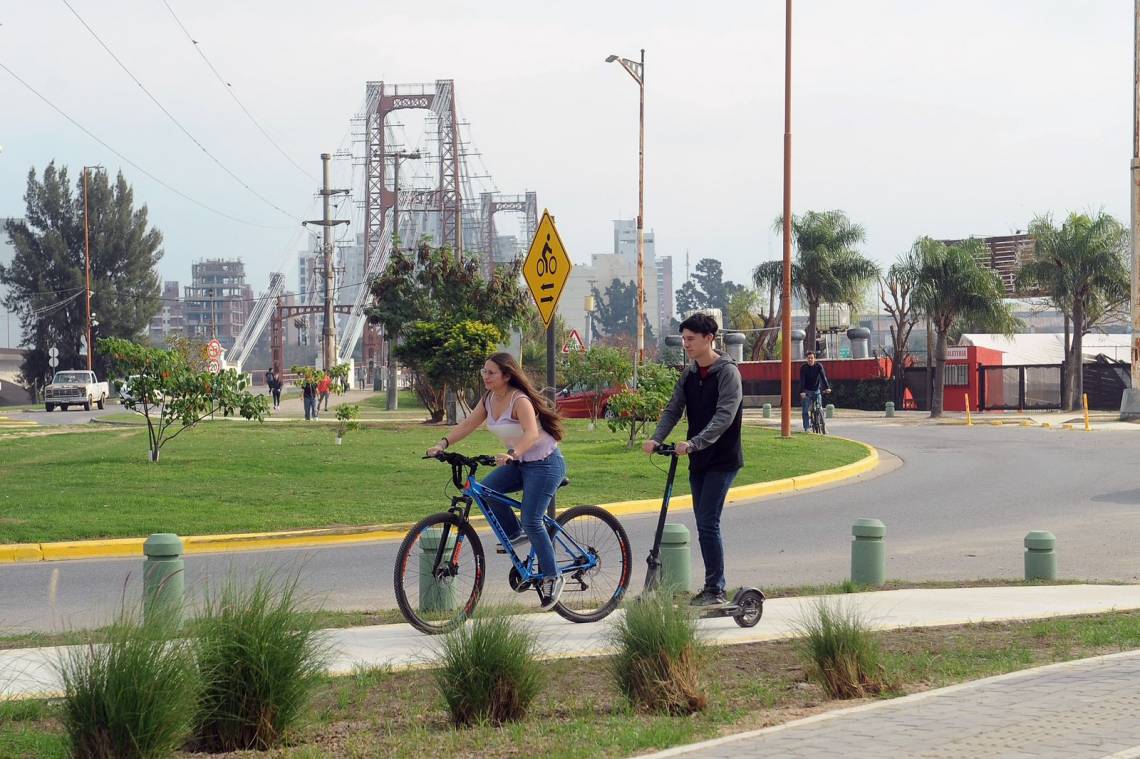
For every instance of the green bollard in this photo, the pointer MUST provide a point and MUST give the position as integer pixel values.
(676, 562)
(868, 552)
(1040, 558)
(889, 407)
(164, 575)
(435, 594)
(830, 410)
(767, 410)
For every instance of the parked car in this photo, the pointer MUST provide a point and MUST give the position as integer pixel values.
(75, 388)
(573, 402)
(127, 395)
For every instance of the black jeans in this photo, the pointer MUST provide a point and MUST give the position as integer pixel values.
(709, 491)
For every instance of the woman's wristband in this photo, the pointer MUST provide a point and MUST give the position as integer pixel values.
(446, 442)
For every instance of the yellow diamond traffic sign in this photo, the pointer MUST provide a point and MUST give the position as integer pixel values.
(546, 267)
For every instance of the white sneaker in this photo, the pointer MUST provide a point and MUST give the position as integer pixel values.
(549, 591)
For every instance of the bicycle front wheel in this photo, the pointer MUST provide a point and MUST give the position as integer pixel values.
(591, 594)
(439, 573)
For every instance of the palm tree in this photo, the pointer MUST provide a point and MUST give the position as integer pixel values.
(827, 268)
(1083, 269)
(953, 285)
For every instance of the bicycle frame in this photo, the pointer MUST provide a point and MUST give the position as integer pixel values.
(472, 491)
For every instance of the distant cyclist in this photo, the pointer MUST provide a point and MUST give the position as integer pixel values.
(813, 384)
(530, 430)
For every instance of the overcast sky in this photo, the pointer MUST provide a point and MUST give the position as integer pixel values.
(916, 117)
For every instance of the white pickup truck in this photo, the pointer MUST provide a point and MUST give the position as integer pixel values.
(74, 388)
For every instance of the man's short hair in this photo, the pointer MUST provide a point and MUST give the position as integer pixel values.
(810, 353)
(702, 324)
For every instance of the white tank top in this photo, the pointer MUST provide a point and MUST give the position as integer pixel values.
(509, 431)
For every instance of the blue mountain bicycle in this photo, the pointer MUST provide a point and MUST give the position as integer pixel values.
(440, 565)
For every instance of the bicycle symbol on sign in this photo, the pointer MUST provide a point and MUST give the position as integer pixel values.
(547, 263)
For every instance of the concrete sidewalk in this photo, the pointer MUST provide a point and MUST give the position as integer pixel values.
(30, 672)
(1085, 708)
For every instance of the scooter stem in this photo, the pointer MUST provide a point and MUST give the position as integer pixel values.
(653, 573)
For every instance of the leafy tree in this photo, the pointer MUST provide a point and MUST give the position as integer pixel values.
(828, 269)
(708, 289)
(953, 285)
(744, 313)
(896, 291)
(173, 395)
(445, 354)
(634, 408)
(436, 286)
(1082, 267)
(595, 370)
(615, 314)
(46, 278)
(769, 277)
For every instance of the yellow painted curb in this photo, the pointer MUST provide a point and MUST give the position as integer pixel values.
(317, 537)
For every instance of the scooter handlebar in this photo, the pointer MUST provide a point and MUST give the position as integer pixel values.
(666, 449)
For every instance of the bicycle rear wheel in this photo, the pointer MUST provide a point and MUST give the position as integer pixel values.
(821, 422)
(439, 573)
(591, 594)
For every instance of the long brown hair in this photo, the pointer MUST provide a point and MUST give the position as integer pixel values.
(548, 418)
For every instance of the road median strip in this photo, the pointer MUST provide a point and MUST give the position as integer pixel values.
(317, 537)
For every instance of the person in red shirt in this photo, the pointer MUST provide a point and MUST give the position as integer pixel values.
(323, 387)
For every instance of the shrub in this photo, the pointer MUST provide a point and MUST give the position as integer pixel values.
(840, 651)
(660, 660)
(130, 696)
(259, 657)
(489, 670)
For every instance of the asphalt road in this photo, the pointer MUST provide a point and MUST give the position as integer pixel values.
(73, 415)
(957, 507)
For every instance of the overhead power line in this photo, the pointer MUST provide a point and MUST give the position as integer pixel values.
(131, 163)
(230, 89)
(170, 116)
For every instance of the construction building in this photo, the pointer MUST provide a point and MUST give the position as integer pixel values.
(171, 317)
(218, 300)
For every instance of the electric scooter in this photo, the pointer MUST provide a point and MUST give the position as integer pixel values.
(746, 606)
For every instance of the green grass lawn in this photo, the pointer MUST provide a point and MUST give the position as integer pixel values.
(238, 477)
(407, 400)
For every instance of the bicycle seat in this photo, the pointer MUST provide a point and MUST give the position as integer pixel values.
(564, 483)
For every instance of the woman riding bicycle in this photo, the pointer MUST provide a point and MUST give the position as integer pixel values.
(530, 431)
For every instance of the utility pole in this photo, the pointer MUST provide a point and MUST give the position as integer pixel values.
(87, 267)
(393, 396)
(328, 335)
(1130, 403)
(786, 353)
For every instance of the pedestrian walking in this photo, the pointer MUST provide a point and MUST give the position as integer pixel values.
(273, 382)
(309, 397)
(324, 386)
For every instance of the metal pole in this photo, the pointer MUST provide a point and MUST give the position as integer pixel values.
(640, 358)
(1130, 406)
(329, 341)
(87, 266)
(392, 402)
(786, 357)
(551, 391)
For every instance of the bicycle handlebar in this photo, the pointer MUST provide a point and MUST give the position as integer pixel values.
(460, 459)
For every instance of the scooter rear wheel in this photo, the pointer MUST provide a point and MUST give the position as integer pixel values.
(751, 604)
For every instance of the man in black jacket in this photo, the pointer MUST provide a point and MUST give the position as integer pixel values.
(709, 393)
(813, 383)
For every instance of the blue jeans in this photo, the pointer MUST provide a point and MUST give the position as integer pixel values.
(808, 399)
(538, 481)
(709, 491)
(310, 407)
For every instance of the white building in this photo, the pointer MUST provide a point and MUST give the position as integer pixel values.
(621, 264)
(10, 328)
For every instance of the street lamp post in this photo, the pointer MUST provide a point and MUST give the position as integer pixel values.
(1130, 403)
(87, 267)
(392, 400)
(636, 69)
